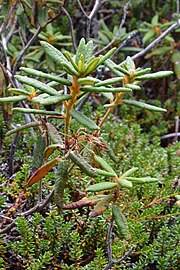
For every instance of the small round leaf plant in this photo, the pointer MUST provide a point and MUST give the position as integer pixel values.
(79, 82)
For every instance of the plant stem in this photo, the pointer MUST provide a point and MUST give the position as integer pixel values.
(74, 91)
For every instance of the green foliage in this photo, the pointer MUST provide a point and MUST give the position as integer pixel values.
(85, 178)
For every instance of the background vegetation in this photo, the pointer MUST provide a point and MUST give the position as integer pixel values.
(35, 232)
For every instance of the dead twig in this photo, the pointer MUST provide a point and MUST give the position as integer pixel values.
(90, 16)
(71, 28)
(37, 207)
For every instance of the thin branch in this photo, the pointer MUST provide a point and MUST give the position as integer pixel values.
(4, 25)
(109, 266)
(25, 49)
(39, 29)
(109, 240)
(11, 155)
(94, 10)
(7, 59)
(71, 27)
(9, 35)
(37, 207)
(176, 128)
(177, 9)
(125, 11)
(90, 16)
(82, 9)
(122, 44)
(118, 32)
(157, 40)
(171, 135)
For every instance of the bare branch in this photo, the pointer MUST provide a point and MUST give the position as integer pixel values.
(119, 30)
(178, 9)
(11, 155)
(90, 16)
(95, 9)
(13, 25)
(25, 49)
(122, 44)
(7, 59)
(157, 40)
(109, 266)
(71, 27)
(37, 207)
(109, 240)
(82, 9)
(4, 25)
(171, 135)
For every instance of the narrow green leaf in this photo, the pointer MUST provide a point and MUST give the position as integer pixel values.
(109, 105)
(133, 86)
(70, 59)
(53, 53)
(143, 105)
(88, 80)
(36, 84)
(39, 148)
(101, 186)
(54, 134)
(109, 81)
(154, 20)
(122, 70)
(142, 179)
(105, 173)
(18, 91)
(111, 65)
(69, 69)
(130, 171)
(104, 164)
(34, 111)
(81, 49)
(13, 99)
(125, 183)
(157, 75)
(54, 100)
(101, 89)
(44, 75)
(121, 222)
(20, 128)
(130, 63)
(42, 17)
(60, 182)
(91, 66)
(80, 66)
(88, 50)
(82, 164)
(141, 71)
(148, 36)
(83, 119)
(40, 98)
(106, 56)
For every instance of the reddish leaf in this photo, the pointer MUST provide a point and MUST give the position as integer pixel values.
(81, 203)
(42, 171)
